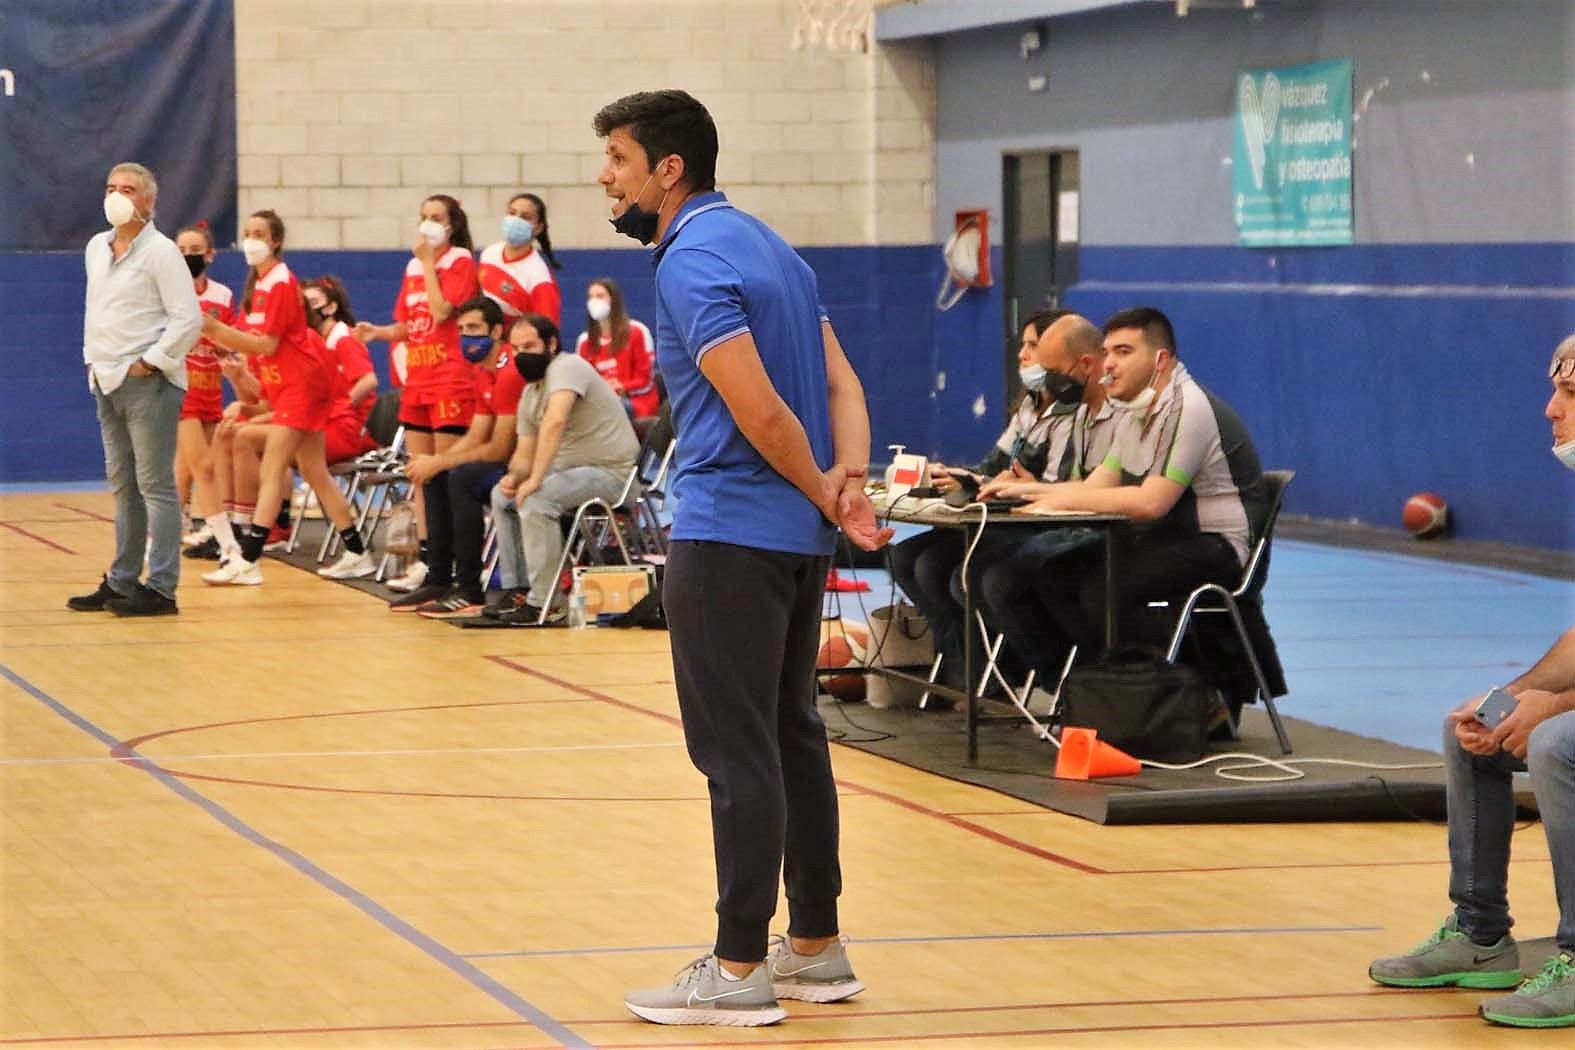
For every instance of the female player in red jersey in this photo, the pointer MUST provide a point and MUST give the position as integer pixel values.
(293, 367)
(620, 347)
(355, 387)
(204, 404)
(439, 394)
(517, 272)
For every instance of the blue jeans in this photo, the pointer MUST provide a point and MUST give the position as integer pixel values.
(530, 538)
(1482, 817)
(138, 422)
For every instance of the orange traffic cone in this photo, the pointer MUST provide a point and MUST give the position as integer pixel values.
(1083, 756)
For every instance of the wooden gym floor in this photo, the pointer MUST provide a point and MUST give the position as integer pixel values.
(289, 818)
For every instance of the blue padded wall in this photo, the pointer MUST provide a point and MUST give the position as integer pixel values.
(1374, 371)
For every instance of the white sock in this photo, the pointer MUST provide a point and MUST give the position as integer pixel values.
(726, 976)
(220, 526)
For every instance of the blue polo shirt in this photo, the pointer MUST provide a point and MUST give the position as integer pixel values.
(719, 273)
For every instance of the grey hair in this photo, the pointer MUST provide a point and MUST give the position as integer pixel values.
(1565, 350)
(150, 185)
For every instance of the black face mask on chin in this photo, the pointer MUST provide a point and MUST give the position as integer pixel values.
(532, 367)
(1065, 389)
(638, 223)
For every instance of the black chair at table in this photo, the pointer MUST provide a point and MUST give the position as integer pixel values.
(1229, 637)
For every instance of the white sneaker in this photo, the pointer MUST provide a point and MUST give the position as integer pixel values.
(349, 567)
(237, 571)
(198, 538)
(414, 577)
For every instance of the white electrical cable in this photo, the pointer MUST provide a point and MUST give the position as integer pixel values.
(1288, 767)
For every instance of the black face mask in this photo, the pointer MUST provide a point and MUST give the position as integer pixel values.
(638, 223)
(1065, 389)
(196, 264)
(532, 366)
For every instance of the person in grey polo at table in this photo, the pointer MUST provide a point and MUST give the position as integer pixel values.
(139, 320)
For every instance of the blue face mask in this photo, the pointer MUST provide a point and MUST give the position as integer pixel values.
(475, 347)
(517, 232)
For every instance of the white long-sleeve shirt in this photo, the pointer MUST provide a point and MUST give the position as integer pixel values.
(142, 306)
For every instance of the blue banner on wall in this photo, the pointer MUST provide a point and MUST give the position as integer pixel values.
(85, 84)
(1291, 177)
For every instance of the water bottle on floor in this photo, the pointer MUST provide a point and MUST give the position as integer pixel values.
(577, 604)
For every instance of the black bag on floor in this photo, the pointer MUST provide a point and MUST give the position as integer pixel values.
(1141, 704)
(646, 613)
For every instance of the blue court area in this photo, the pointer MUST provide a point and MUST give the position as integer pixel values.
(1382, 644)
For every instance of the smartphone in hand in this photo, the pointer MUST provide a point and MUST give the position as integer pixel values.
(1494, 708)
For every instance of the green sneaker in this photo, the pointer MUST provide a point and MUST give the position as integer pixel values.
(1450, 958)
(1545, 1001)
(826, 977)
(701, 995)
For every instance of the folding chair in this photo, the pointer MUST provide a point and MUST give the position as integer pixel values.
(352, 475)
(598, 525)
(1213, 598)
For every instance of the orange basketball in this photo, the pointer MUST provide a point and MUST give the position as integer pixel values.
(836, 652)
(1426, 515)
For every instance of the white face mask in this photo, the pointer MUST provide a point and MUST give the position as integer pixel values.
(432, 232)
(118, 209)
(1565, 454)
(599, 309)
(1032, 377)
(1144, 398)
(255, 251)
(1138, 402)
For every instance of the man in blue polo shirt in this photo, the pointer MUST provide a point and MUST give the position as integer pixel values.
(772, 447)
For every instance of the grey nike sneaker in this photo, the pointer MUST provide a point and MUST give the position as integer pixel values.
(701, 995)
(1450, 958)
(1545, 1001)
(826, 977)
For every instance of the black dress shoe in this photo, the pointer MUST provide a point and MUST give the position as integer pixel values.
(98, 601)
(146, 602)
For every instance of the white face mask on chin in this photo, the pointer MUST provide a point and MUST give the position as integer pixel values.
(1565, 454)
(1141, 400)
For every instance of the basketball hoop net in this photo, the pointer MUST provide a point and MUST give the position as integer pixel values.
(837, 25)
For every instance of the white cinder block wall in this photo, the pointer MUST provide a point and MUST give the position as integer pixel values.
(352, 111)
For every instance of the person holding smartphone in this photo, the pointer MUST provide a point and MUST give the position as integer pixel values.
(1483, 747)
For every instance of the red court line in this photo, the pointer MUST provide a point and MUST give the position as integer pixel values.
(957, 820)
(74, 521)
(504, 661)
(896, 800)
(829, 1013)
(842, 1011)
(244, 1032)
(123, 752)
(123, 749)
(1025, 1033)
(35, 536)
(85, 513)
(397, 793)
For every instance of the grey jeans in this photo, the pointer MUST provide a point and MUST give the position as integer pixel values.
(138, 422)
(530, 538)
(1482, 817)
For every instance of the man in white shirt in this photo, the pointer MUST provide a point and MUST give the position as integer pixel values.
(140, 318)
